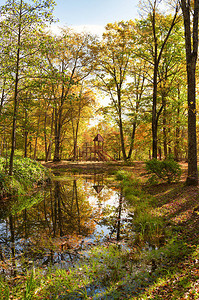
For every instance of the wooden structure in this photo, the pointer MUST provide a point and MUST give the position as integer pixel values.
(91, 152)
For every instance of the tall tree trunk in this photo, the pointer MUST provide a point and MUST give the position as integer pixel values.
(56, 153)
(58, 127)
(177, 140)
(139, 83)
(165, 132)
(154, 108)
(132, 139)
(58, 115)
(177, 131)
(25, 133)
(191, 43)
(134, 126)
(35, 148)
(48, 157)
(45, 138)
(121, 127)
(58, 136)
(192, 178)
(2, 96)
(13, 137)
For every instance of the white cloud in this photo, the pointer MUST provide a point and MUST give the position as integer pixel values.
(93, 29)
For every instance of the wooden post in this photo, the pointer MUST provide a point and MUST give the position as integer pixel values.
(86, 150)
(94, 151)
(79, 154)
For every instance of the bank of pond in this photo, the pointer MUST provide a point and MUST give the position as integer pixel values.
(91, 236)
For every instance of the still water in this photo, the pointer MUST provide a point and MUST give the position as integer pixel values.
(58, 223)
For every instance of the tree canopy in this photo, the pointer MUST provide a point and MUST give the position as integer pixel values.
(51, 85)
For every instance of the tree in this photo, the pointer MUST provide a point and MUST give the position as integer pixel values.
(170, 82)
(115, 54)
(136, 94)
(159, 31)
(80, 107)
(190, 16)
(20, 23)
(70, 61)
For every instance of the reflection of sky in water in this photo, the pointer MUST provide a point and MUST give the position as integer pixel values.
(104, 205)
(111, 202)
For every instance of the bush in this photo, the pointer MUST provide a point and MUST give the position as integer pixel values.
(122, 175)
(168, 170)
(26, 173)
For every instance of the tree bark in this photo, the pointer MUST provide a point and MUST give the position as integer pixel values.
(48, 157)
(121, 127)
(25, 133)
(192, 178)
(13, 137)
(177, 131)
(2, 96)
(35, 148)
(191, 44)
(57, 137)
(165, 132)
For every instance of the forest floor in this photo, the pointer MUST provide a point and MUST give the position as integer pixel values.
(178, 205)
(136, 167)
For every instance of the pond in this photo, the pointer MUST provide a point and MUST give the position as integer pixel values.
(57, 224)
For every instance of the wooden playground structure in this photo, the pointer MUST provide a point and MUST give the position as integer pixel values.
(90, 152)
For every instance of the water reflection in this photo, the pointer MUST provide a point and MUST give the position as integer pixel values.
(54, 225)
(98, 182)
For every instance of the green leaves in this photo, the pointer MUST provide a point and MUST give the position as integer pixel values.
(167, 170)
(26, 173)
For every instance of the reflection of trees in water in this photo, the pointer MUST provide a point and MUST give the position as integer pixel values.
(52, 230)
(65, 217)
(71, 212)
(57, 223)
(12, 245)
(112, 214)
(113, 218)
(118, 224)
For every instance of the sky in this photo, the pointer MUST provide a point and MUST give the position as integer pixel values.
(93, 15)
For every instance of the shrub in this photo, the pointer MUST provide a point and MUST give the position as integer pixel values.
(26, 173)
(168, 170)
(122, 175)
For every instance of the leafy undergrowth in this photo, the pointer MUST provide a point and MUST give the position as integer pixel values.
(161, 262)
(27, 174)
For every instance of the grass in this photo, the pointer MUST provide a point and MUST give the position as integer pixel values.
(161, 262)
